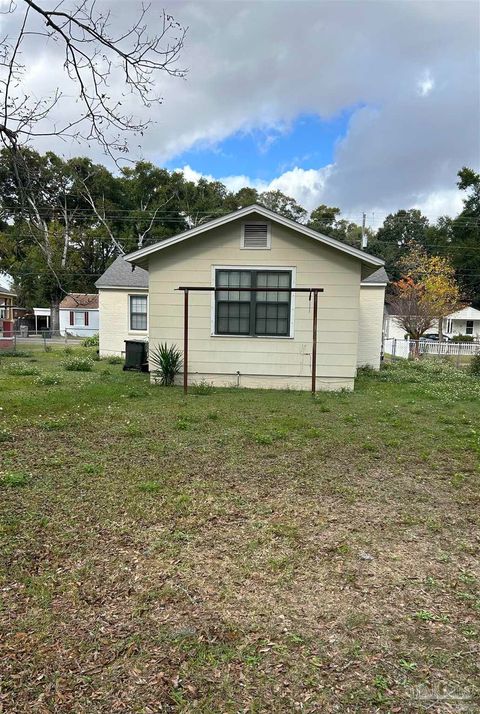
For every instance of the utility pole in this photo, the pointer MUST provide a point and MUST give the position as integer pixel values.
(364, 236)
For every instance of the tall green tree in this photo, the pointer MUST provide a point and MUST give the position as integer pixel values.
(399, 231)
(464, 236)
(327, 220)
(284, 205)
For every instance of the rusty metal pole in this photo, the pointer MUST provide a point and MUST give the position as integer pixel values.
(185, 341)
(314, 342)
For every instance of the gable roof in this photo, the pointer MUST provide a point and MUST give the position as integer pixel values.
(87, 301)
(139, 257)
(467, 313)
(379, 277)
(121, 274)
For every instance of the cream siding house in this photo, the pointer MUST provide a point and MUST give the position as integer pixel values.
(123, 307)
(256, 339)
(371, 316)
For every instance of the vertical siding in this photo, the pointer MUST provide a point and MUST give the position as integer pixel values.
(114, 320)
(259, 359)
(370, 324)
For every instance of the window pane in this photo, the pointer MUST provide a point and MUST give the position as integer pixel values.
(79, 319)
(138, 322)
(138, 312)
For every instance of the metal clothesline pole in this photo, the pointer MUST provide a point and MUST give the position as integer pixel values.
(312, 291)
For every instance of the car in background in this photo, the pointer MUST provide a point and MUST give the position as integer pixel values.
(433, 337)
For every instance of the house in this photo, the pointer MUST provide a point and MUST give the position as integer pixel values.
(258, 338)
(79, 314)
(123, 303)
(462, 322)
(7, 301)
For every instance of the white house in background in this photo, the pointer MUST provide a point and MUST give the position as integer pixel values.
(462, 322)
(79, 315)
(123, 303)
(258, 338)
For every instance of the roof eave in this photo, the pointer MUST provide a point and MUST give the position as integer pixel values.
(139, 257)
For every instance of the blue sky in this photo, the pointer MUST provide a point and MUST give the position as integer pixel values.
(308, 142)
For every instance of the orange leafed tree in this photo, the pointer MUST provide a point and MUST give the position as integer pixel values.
(427, 293)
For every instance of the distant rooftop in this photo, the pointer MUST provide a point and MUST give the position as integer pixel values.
(72, 301)
(6, 291)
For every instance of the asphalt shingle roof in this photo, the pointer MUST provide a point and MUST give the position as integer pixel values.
(379, 276)
(73, 301)
(120, 274)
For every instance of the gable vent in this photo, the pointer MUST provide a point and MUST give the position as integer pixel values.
(255, 235)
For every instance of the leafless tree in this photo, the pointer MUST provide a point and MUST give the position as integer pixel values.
(412, 312)
(93, 61)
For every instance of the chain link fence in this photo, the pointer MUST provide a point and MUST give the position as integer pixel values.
(24, 338)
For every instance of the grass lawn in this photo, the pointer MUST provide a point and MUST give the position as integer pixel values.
(237, 551)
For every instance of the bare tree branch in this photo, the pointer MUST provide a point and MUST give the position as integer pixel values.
(93, 58)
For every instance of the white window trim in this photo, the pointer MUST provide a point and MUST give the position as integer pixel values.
(242, 235)
(131, 330)
(273, 268)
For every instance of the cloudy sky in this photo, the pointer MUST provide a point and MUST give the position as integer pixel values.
(371, 106)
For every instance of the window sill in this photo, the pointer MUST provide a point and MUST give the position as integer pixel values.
(255, 337)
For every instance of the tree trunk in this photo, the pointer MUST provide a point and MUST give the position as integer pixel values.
(440, 329)
(55, 316)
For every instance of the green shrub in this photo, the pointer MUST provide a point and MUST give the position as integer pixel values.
(475, 365)
(68, 350)
(78, 364)
(462, 338)
(48, 379)
(115, 359)
(22, 354)
(92, 341)
(167, 362)
(21, 369)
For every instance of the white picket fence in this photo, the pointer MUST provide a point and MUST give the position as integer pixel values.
(405, 348)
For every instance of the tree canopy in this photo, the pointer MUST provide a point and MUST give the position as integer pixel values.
(81, 215)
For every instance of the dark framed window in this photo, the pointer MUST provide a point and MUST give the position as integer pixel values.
(256, 313)
(469, 327)
(138, 312)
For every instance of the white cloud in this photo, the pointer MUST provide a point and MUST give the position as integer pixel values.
(411, 68)
(425, 84)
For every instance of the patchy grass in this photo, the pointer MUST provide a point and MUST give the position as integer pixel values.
(238, 551)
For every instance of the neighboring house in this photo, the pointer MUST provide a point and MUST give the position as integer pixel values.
(7, 301)
(462, 322)
(123, 300)
(79, 314)
(251, 339)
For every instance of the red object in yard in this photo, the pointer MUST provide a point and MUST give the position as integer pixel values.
(8, 328)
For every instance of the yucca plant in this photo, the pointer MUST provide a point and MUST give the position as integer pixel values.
(167, 362)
